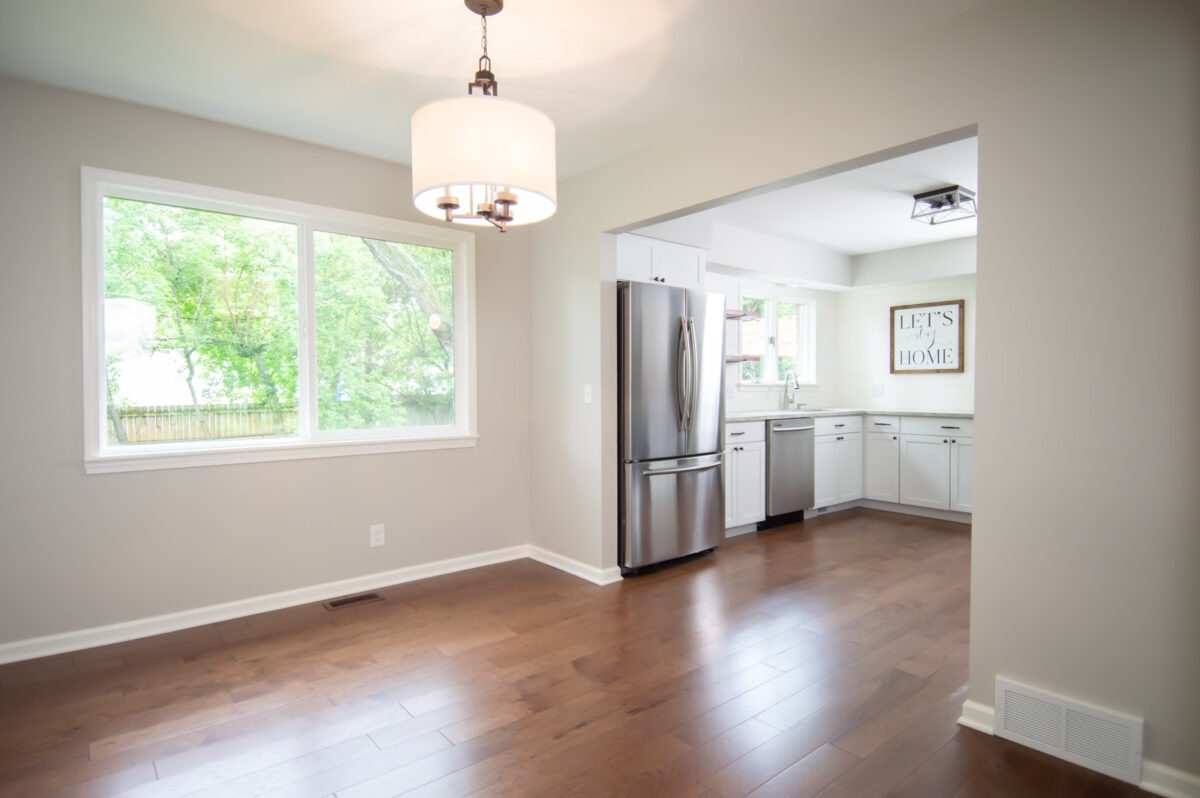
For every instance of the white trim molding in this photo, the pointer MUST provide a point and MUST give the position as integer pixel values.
(597, 576)
(1164, 780)
(46, 646)
(979, 717)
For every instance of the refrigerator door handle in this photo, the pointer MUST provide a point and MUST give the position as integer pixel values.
(681, 470)
(682, 378)
(694, 361)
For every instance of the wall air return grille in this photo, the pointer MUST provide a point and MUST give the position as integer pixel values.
(1091, 736)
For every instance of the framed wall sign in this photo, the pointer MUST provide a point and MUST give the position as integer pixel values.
(927, 338)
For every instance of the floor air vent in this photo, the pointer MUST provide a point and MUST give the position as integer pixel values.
(1085, 734)
(351, 601)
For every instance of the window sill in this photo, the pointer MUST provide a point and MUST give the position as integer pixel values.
(155, 457)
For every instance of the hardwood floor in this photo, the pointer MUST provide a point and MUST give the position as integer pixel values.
(824, 659)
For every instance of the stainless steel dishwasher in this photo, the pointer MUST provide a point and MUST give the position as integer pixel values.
(789, 466)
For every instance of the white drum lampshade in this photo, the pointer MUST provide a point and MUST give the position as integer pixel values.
(469, 147)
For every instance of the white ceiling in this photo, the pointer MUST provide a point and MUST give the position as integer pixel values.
(614, 75)
(855, 212)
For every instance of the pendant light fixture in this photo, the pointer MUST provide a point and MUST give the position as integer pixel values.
(481, 159)
(944, 205)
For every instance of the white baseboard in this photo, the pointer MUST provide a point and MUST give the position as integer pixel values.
(979, 717)
(597, 576)
(172, 622)
(744, 529)
(891, 507)
(1168, 781)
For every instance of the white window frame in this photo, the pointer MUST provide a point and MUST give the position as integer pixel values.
(101, 457)
(770, 358)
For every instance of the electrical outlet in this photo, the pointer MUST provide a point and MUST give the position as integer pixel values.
(377, 538)
(877, 389)
(587, 394)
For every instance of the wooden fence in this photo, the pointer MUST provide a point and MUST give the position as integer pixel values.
(161, 423)
(186, 423)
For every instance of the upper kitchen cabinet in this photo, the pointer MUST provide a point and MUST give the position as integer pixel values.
(649, 260)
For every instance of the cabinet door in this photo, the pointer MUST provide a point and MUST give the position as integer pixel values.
(678, 265)
(925, 471)
(825, 470)
(962, 474)
(883, 466)
(634, 258)
(731, 486)
(752, 484)
(849, 466)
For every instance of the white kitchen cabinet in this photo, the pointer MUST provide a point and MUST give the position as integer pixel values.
(837, 460)
(648, 260)
(745, 473)
(882, 466)
(962, 474)
(849, 448)
(925, 471)
(825, 471)
(937, 470)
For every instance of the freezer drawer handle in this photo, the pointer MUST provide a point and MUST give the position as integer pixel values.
(790, 429)
(681, 470)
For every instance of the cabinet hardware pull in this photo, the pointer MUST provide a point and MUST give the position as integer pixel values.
(838, 425)
(953, 440)
(883, 423)
(732, 434)
(893, 437)
(841, 437)
(945, 441)
(945, 427)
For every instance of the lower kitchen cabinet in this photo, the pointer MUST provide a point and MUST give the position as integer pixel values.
(882, 467)
(962, 474)
(745, 473)
(745, 483)
(925, 471)
(937, 471)
(837, 460)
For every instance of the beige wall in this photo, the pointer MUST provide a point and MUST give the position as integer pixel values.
(80, 551)
(1085, 545)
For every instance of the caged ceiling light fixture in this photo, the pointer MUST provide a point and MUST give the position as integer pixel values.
(490, 157)
(944, 205)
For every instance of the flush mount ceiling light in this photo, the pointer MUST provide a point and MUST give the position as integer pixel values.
(493, 158)
(944, 205)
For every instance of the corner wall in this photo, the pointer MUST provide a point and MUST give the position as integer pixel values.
(1088, 325)
(112, 548)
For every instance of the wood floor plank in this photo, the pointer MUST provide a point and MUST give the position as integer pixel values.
(826, 657)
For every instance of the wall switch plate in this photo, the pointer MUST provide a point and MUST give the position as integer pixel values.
(377, 538)
(587, 394)
(877, 390)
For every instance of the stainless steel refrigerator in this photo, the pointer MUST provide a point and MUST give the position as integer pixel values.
(671, 421)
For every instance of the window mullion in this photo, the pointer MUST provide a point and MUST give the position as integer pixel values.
(307, 356)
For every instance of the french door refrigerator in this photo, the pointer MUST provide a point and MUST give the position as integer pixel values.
(671, 422)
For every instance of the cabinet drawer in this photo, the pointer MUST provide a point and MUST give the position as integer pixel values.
(882, 424)
(924, 425)
(830, 425)
(744, 432)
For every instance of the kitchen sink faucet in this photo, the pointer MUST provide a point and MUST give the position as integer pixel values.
(791, 383)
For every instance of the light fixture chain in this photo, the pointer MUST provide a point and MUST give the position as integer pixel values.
(483, 41)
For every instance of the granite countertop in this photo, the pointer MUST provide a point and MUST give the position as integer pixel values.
(767, 415)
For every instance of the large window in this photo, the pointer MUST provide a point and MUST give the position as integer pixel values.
(781, 331)
(223, 327)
